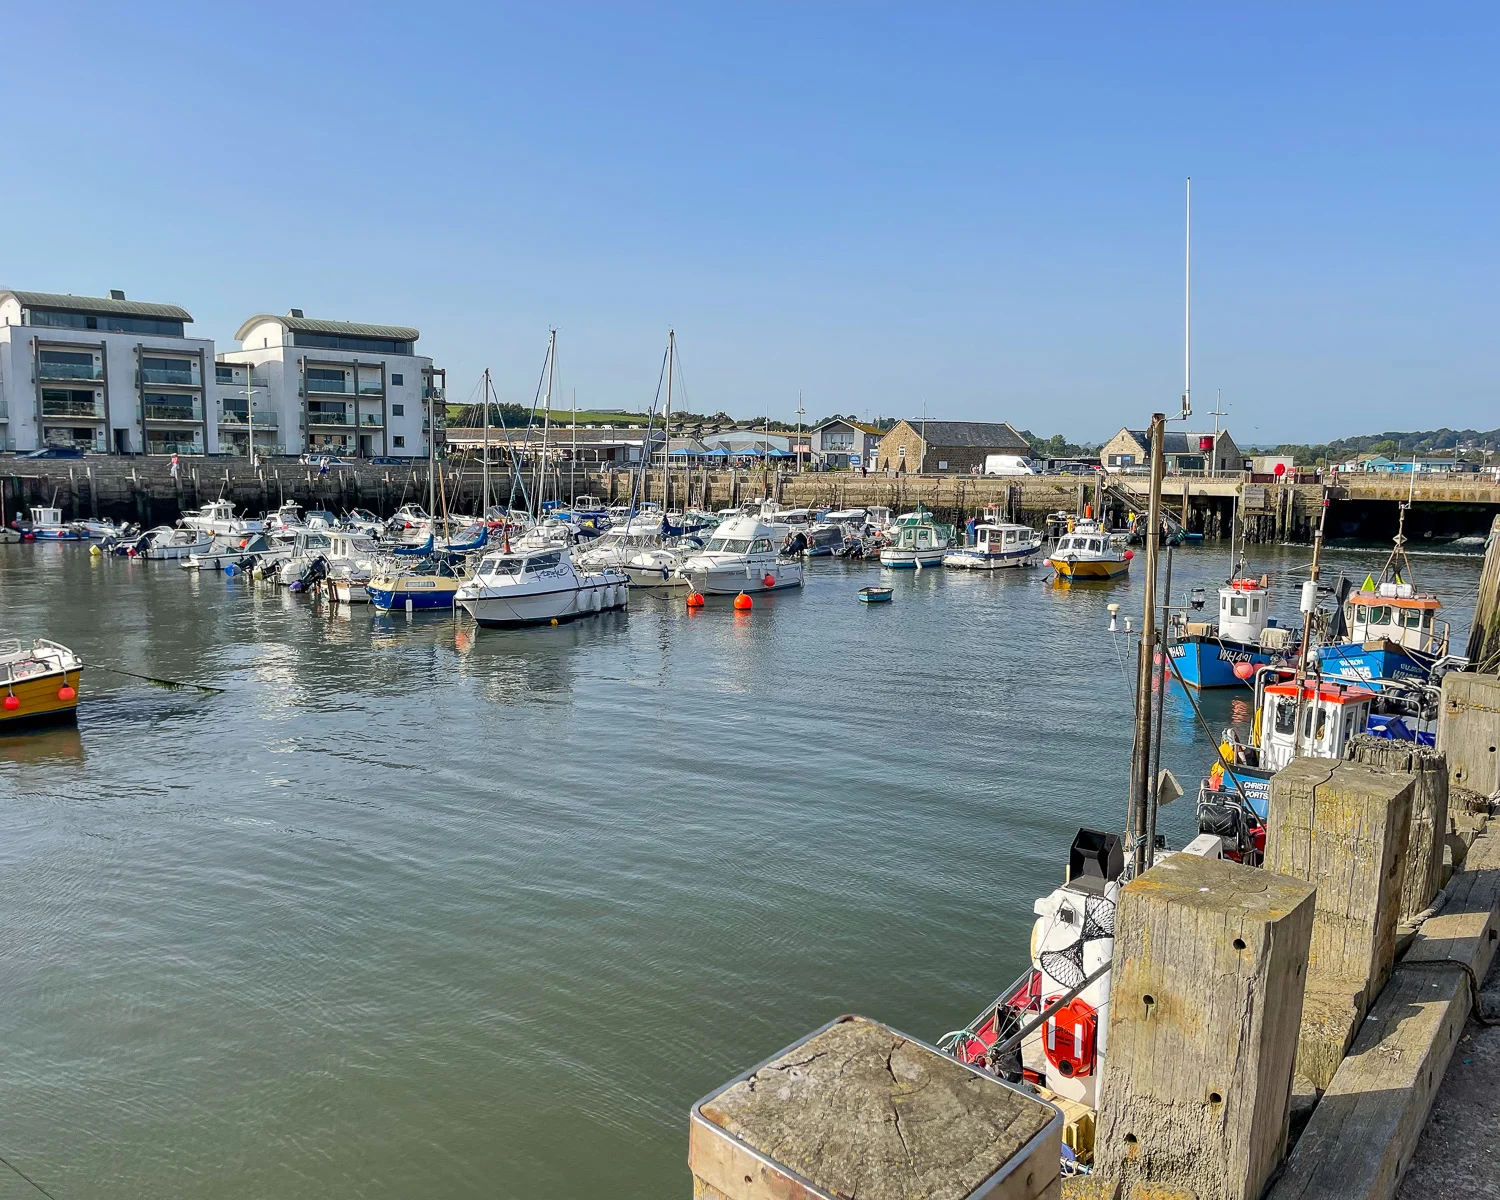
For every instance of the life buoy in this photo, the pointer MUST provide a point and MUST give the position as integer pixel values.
(1070, 1037)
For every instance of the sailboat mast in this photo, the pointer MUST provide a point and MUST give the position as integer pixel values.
(666, 453)
(541, 477)
(1187, 313)
(431, 449)
(484, 498)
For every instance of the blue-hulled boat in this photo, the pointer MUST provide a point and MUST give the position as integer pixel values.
(430, 584)
(1392, 637)
(1244, 634)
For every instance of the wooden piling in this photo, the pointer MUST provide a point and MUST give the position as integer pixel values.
(858, 1109)
(1428, 769)
(1205, 1002)
(1469, 731)
(1343, 826)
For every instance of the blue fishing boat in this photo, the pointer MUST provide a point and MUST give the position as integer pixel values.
(430, 584)
(1227, 652)
(1392, 637)
(875, 595)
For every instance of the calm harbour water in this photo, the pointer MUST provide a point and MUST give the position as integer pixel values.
(420, 909)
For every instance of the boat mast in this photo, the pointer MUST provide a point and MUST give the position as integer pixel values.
(1187, 314)
(1309, 604)
(666, 453)
(431, 452)
(1140, 769)
(484, 500)
(541, 478)
(573, 457)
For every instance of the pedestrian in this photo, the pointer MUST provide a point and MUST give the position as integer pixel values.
(973, 528)
(323, 468)
(176, 468)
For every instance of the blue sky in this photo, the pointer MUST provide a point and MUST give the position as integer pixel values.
(978, 209)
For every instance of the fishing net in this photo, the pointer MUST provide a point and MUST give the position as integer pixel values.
(1098, 918)
(1065, 966)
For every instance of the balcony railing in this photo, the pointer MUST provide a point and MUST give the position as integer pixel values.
(238, 385)
(4, 410)
(174, 412)
(330, 387)
(60, 370)
(370, 419)
(371, 389)
(177, 378)
(432, 393)
(234, 416)
(162, 446)
(93, 410)
(327, 418)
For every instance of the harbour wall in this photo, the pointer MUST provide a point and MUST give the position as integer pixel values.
(142, 489)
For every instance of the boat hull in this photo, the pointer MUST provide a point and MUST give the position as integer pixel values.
(1205, 662)
(172, 553)
(982, 560)
(350, 591)
(39, 701)
(1088, 568)
(731, 581)
(425, 592)
(44, 534)
(907, 560)
(512, 608)
(1373, 662)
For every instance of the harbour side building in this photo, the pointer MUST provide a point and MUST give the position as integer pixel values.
(103, 374)
(331, 387)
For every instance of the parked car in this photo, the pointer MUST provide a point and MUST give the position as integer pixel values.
(324, 460)
(53, 452)
(386, 460)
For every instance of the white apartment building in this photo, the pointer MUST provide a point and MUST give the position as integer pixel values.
(109, 375)
(334, 387)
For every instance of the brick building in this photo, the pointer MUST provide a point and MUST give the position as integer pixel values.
(949, 448)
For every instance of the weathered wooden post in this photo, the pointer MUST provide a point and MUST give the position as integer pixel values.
(1469, 731)
(1429, 812)
(1205, 1002)
(1343, 826)
(858, 1109)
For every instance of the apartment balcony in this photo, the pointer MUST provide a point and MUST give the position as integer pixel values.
(183, 378)
(239, 417)
(89, 410)
(315, 418)
(371, 389)
(57, 370)
(4, 410)
(177, 413)
(172, 446)
(370, 420)
(433, 393)
(330, 387)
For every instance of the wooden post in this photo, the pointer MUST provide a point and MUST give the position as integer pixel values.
(1469, 731)
(1343, 826)
(1429, 812)
(1204, 1005)
(1484, 634)
(858, 1109)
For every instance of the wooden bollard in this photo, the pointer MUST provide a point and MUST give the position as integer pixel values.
(1205, 1002)
(858, 1109)
(1469, 731)
(1429, 811)
(1343, 826)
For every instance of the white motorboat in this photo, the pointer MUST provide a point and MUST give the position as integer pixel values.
(916, 541)
(308, 546)
(226, 549)
(1087, 553)
(48, 526)
(217, 517)
(287, 518)
(620, 543)
(362, 520)
(411, 519)
(996, 546)
(95, 528)
(352, 559)
(741, 556)
(170, 542)
(538, 587)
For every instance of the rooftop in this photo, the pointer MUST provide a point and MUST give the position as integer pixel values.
(116, 305)
(992, 435)
(295, 322)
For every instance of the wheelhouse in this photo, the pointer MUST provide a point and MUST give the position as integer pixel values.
(1394, 613)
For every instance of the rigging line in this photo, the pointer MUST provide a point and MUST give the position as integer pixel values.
(646, 445)
(27, 1178)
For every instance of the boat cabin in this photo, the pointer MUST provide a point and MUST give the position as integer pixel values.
(45, 515)
(1244, 610)
(1082, 543)
(922, 536)
(1332, 713)
(1000, 539)
(1393, 612)
(519, 565)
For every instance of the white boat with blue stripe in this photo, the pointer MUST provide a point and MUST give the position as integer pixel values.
(996, 546)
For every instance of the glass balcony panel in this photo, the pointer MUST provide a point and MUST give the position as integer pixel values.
(328, 418)
(91, 409)
(334, 387)
(174, 412)
(57, 370)
(186, 377)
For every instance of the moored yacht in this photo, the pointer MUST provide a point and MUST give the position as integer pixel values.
(173, 542)
(217, 516)
(537, 586)
(741, 556)
(996, 546)
(1087, 553)
(916, 541)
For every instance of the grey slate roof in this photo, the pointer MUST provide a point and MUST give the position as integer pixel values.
(395, 333)
(1172, 443)
(990, 435)
(101, 305)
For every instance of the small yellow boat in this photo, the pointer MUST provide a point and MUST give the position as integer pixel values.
(39, 684)
(1086, 554)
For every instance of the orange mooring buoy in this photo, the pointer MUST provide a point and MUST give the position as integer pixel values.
(743, 601)
(695, 600)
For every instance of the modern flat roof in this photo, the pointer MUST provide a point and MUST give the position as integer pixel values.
(100, 305)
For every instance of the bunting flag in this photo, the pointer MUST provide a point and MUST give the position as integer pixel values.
(1369, 584)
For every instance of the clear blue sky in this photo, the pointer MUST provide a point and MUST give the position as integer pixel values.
(979, 208)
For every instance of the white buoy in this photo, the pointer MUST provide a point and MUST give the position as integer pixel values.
(1113, 610)
(408, 604)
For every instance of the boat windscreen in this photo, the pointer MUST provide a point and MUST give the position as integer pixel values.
(728, 545)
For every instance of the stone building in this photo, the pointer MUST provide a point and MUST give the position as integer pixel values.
(948, 448)
(1211, 453)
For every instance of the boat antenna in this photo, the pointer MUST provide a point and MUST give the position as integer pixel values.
(484, 501)
(666, 446)
(1309, 604)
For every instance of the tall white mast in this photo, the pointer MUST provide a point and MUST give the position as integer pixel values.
(1187, 310)
(546, 420)
(666, 460)
(484, 498)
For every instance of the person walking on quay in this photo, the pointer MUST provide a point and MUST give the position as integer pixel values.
(176, 469)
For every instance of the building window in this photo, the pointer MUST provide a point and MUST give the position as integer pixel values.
(398, 410)
(111, 324)
(224, 374)
(327, 341)
(399, 442)
(942, 464)
(396, 379)
(901, 451)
